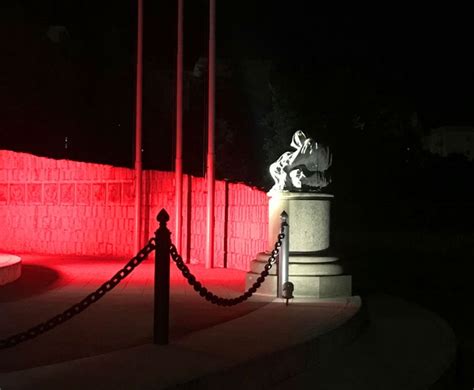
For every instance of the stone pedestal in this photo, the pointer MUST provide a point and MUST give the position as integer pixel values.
(10, 268)
(313, 270)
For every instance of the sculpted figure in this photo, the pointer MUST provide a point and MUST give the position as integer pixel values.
(304, 168)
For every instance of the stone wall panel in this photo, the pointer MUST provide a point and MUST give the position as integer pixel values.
(61, 206)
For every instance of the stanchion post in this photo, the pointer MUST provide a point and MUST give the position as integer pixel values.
(162, 280)
(283, 261)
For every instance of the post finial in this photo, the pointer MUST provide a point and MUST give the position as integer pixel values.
(162, 217)
(284, 216)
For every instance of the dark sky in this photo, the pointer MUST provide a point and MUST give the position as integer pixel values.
(428, 54)
(425, 57)
(429, 49)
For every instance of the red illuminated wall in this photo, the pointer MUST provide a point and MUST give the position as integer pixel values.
(69, 207)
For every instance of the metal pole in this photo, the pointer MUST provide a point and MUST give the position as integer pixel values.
(162, 281)
(210, 137)
(179, 130)
(138, 130)
(283, 263)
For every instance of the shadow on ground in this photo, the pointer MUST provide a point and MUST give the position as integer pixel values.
(34, 280)
(433, 269)
(122, 319)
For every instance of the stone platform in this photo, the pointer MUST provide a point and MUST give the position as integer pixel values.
(313, 268)
(10, 268)
(312, 276)
(341, 343)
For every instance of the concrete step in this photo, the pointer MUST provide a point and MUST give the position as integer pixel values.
(258, 350)
(298, 257)
(301, 269)
(306, 286)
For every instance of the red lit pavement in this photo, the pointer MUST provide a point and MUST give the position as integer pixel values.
(254, 345)
(121, 319)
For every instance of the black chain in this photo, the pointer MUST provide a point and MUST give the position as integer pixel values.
(85, 303)
(213, 298)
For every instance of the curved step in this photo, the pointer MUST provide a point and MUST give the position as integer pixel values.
(10, 268)
(306, 286)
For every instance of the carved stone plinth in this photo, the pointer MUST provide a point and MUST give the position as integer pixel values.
(312, 269)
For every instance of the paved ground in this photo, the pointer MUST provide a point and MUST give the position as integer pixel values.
(123, 318)
(430, 268)
(404, 347)
(321, 343)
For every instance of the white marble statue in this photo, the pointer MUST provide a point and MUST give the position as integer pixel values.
(305, 168)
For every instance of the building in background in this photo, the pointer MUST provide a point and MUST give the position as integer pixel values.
(448, 140)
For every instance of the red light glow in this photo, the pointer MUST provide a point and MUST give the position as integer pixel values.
(74, 208)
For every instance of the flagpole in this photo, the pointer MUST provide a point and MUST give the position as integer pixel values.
(210, 137)
(179, 130)
(138, 129)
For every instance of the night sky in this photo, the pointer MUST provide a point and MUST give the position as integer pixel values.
(83, 87)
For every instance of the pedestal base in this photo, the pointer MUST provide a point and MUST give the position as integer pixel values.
(331, 286)
(308, 217)
(313, 271)
(312, 275)
(301, 265)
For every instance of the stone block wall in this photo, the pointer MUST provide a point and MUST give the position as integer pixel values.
(69, 207)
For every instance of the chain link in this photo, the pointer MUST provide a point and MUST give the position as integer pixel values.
(213, 298)
(77, 308)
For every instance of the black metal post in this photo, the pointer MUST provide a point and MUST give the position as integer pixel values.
(162, 280)
(283, 260)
